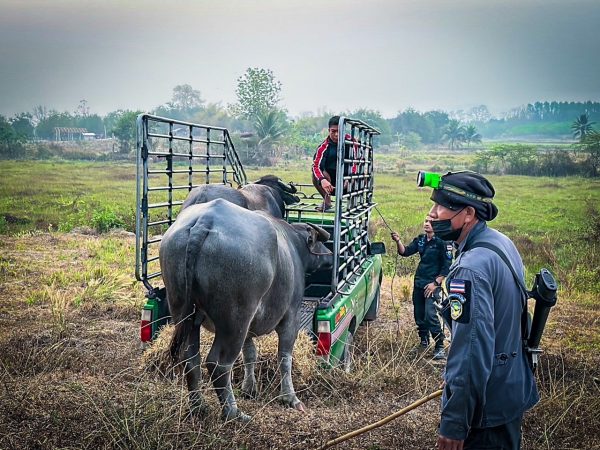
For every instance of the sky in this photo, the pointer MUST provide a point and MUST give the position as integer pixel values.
(329, 55)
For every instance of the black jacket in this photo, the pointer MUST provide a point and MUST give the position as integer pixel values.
(436, 257)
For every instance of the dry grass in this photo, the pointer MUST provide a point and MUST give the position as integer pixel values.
(74, 375)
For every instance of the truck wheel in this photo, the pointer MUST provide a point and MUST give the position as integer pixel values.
(348, 355)
(373, 310)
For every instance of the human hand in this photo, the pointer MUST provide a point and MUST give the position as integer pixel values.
(430, 289)
(327, 186)
(444, 443)
(395, 237)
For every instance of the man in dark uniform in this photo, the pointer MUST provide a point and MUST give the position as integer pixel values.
(436, 256)
(488, 382)
(324, 167)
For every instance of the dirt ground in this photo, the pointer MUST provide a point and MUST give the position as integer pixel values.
(73, 373)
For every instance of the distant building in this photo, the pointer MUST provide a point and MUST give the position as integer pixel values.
(70, 134)
(88, 136)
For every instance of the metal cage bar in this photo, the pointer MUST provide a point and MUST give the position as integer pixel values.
(159, 143)
(353, 200)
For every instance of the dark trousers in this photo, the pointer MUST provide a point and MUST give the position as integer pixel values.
(426, 316)
(502, 437)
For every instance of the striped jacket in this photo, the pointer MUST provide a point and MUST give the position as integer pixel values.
(325, 159)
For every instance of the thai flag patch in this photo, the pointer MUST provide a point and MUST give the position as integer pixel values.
(457, 287)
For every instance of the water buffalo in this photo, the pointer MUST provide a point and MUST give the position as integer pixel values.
(240, 274)
(268, 194)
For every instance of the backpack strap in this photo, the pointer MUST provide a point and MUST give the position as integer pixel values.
(524, 292)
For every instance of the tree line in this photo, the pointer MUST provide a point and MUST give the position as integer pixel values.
(264, 133)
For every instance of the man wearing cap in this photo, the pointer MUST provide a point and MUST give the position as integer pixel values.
(488, 381)
(436, 256)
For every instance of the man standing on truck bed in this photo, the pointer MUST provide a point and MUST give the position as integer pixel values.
(436, 256)
(324, 167)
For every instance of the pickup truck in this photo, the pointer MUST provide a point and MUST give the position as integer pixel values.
(173, 157)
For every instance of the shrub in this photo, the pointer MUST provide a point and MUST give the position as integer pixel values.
(105, 219)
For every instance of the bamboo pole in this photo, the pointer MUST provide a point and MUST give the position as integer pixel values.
(381, 422)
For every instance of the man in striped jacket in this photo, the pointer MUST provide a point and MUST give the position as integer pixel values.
(324, 168)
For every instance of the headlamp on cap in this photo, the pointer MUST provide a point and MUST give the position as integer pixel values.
(429, 179)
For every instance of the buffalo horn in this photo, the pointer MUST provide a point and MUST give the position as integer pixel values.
(323, 235)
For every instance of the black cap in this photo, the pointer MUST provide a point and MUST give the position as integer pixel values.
(461, 189)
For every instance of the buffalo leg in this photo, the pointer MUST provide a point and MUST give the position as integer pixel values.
(287, 332)
(192, 369)
(223, 353)
(249, 383)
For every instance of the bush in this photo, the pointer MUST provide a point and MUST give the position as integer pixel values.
(105, 219)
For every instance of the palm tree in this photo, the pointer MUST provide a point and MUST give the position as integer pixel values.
(590, 145)
(270, 127)
(472, 136)
(454, 134)
(581, 127)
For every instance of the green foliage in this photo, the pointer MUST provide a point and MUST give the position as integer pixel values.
(582, 127)
(185, 103)
(11, 143)
(454, 134)
(590, 146)
(375, 119)
(257, 91)
(105, 219)
(124, 130)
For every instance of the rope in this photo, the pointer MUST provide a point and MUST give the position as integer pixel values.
(381, 422)
(393, 277)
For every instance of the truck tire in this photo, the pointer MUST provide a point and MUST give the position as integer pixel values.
(347, 361)
(373, 310)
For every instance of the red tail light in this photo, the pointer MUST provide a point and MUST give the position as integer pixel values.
(323, 338)
(146, 325)
(323, 344)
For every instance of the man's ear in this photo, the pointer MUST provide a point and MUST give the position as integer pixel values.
(471, 214)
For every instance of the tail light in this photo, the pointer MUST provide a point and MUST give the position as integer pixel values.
(323, 338)
(146, 325)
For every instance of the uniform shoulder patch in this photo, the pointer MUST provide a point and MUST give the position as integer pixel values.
(449, 251)
(459, 300)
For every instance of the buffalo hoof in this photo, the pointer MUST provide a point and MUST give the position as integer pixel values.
(235, 414)
(300, 407)
(249, 392)
(291, 401)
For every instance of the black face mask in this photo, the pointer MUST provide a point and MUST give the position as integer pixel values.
(443, 229)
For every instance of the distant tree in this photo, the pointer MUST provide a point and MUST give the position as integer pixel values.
(185, 103)
(39, 113)
(83, 110)
(270, 127)
(482, 161)
(45, 127)
(581, 127)
(454, 134)
(124, 130)
(10, 141)
(410, 140)
(471, 135)
(186, 98)
(590, 145)
(257, 91)
(23, 125)
(376, 120)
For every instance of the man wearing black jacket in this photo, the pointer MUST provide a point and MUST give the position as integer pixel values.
(436, 256)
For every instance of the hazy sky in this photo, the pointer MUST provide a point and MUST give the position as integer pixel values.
(328, 54)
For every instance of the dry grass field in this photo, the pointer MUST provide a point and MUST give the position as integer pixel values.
(74, 375)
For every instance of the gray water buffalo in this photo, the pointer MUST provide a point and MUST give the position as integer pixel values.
(239, 274)
(268, 194)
